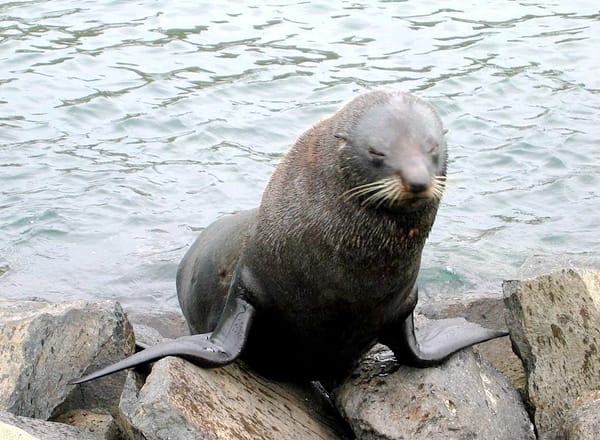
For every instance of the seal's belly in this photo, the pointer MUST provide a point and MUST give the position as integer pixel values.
(316, 322)
(320, 341)
(282, 355)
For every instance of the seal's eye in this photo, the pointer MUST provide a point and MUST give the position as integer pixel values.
(377, 157)
(431, 148)
(376, 154)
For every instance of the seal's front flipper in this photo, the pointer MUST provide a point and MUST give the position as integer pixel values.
(437, 341)
(218, 348)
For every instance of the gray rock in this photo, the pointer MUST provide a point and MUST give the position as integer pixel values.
(554, 323)
(146, 336)
(169, 324)
(101, 423)
(128, 404)
(156, 327)
(44, 345)
(582, 421)
(182, 401)
(464, 398)
(23, 428)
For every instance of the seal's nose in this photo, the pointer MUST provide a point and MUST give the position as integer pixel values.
(415, 176)
(416, 186)
(412, 168)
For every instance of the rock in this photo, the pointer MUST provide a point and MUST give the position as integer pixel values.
(101, 423)
(129, 402)
(182, 401)
(44, 345)
(146, 336)
(464, 398)
(554, 323)
(169, 324)
(488, 312)
(23, 428)
(582, 421)
(152, 328)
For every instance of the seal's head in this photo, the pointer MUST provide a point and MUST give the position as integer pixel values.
(393, 151)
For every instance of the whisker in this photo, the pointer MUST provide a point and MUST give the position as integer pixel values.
(398, 191)
(373, 191)
(375, 197)
(439, 185)
(391, 190)
(362, 190)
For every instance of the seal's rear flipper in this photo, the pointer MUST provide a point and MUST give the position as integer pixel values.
(141, 346)
(218, 348)
(437, 341)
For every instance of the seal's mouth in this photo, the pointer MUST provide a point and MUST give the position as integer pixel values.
(391, 192)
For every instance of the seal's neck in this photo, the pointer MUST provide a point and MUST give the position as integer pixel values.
(377, 233)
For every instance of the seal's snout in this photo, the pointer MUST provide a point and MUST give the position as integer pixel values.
(415, 177)
(418, 186)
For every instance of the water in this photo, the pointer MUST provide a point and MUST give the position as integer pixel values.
(127, 127)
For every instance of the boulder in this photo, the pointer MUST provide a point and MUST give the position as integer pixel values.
(554, 323)
(182, 401)
(24, 428)
(44, 345)
(464, 398)
(582, 420)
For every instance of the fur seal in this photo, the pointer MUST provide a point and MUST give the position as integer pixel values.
(326, 267)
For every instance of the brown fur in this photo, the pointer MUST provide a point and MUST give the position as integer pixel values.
(332, 261)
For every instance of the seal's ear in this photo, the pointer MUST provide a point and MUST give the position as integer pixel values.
(342, 141)
(445, 131)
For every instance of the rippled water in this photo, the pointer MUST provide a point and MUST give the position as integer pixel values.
(126, 127)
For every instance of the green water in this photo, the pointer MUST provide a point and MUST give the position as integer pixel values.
(127, 127)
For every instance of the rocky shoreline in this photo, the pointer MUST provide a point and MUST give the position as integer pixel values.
(550, 391)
